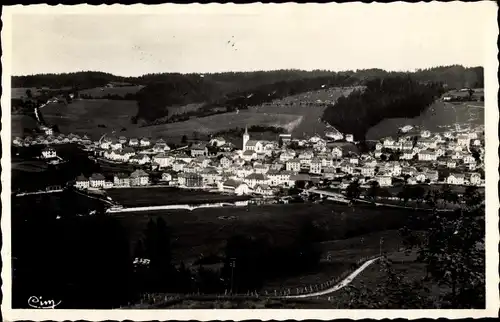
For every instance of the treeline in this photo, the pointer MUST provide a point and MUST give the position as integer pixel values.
(237, 131)
(391, 97)
(226, 92)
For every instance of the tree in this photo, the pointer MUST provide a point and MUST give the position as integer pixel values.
(353, 191)
(472, 197)
(184, 139)
(374, 190)
(394, 291)
(454, 256)
(157, 249)
(29, 94)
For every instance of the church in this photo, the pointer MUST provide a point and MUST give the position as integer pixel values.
(251, 145)
(257, 146)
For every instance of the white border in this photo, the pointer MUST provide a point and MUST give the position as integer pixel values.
(492, 204)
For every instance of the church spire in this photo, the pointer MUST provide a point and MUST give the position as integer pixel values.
(246, 130)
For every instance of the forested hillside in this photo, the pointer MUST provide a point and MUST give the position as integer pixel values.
(390, 97)
(226, 92)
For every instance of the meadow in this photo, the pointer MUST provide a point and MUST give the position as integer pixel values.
(100, 92)
(138, 197)
(439, 117)
(205, 231)
(21, 122)
(298, 114)
(91, 117)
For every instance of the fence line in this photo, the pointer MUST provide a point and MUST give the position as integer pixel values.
(163, 299)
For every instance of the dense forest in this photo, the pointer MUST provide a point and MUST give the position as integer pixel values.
(390, 97)
(225, 92)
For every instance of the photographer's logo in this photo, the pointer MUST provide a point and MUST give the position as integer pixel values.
(40, 303)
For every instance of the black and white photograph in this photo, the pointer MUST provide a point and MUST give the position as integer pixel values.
(278, 160)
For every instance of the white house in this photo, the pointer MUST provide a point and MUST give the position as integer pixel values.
(368, 171)
(463, 140)
(287, 155)
(349, 138)
(133, 142)
(455, 178)
(469, 159)
(255, 179)
(427, 155)
(236, 187)
(160, 147)
(451, 164)
(163, 160)
(121, 180)
(225, 162)
(116, 145)
(81, 182)
(139, 178)
(425, 134)
(384, 180)
(389, 142)
(166, 176)
(49, 153)
(315, 166)
(334, 135)
(97, 180)
(249, 155)
(293, 165)
(336, 152)
(263, 189)
(145, 142)
(475, 179)
(217, 141)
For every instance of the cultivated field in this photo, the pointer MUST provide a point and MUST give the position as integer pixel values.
(204, 231)
(439, 117)
(85, 116)
(214, 123)
(99, 92)
(138, 197)
(21, 122)
(309, 105)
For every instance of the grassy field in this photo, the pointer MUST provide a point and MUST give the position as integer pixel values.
(439, 117)
(204, 231)
(309, 105)
(298, 114)
(215, 123)
(21, 122)
(84, 116)
(137, 197)
(99, 92)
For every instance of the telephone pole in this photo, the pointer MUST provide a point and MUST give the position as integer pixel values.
(233, 265)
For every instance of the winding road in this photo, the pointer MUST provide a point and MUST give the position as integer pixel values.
(346, 281)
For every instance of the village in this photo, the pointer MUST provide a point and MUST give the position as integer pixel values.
(267, 168)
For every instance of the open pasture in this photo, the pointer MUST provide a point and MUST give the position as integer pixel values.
(84, 116)
(100, 92)
(139, 197)
(21, 122)
(439, 117)
(202, 231)
(309, 105)
(215, 123)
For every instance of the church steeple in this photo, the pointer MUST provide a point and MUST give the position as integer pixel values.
(246, 137)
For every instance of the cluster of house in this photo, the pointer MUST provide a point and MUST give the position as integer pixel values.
(51, 139)
(264, 167)
(98, 181)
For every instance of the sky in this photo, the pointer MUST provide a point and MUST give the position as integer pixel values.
(180, 38)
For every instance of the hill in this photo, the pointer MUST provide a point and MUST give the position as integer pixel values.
(91, 117)
(383, 98)
(172, 97)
